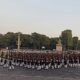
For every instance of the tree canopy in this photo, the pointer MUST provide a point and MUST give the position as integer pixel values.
(66, 37)
(37, 41)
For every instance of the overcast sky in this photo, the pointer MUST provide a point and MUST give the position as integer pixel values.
(48, 17)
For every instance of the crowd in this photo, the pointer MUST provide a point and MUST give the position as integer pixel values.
(39, 59)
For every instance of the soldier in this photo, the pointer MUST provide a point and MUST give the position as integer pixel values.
(38, 61)
(79, 59)
(75, 60)
(10, 60)
(28, 60)
(71, 60)
(46, 63)
(66, 60)
(25, 60)
(6, 61)
(2, 60)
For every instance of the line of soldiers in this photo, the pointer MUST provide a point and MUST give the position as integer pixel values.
(39, 60)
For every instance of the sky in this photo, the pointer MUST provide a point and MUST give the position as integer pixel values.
(48, 17)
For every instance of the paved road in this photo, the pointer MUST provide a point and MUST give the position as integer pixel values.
(20, 73)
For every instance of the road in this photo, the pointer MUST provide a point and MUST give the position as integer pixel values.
(20, 73)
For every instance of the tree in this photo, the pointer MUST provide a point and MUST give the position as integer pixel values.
(40, 40)
(75, 43)
(36, 40)
(78, 45)
(66, 38)
(1, 41)
(26, 41)
(9, 40)
(45, 41)
(53, 42)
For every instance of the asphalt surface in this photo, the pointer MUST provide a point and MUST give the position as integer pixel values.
(20, 73)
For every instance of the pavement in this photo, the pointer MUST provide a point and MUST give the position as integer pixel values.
(20, 73)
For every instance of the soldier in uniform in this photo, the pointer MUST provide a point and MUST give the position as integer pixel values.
(11, 66)
(6, 61)
(2, 60)
(71, 60)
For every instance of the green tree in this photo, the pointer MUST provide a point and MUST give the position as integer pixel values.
(40, 40)
(78, 45)
(45, 41)
(36, 40)
(26, 41)
(75, 43)
(66, 38)
(53, 42)
(9, 40)
(1, 41)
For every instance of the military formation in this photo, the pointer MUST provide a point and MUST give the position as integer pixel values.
(42, 60)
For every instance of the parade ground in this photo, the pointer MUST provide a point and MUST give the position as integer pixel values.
(20, 73)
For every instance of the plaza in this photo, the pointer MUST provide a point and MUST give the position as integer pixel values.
(20, 73)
